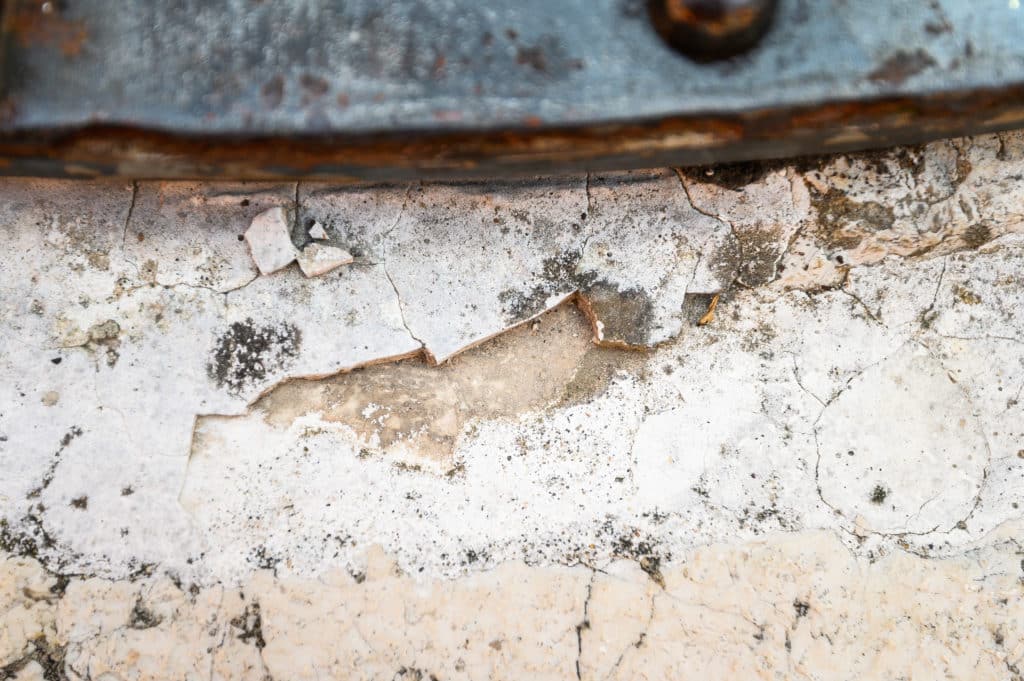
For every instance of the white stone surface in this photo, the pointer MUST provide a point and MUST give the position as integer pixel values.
(416, 466)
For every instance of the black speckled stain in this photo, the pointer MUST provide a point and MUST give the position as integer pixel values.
(142, 617)
(250, 626)
(247, 353)
(627, 315)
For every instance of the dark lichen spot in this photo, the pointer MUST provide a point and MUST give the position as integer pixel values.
(127, 491)
(626, 315)
(641, 548)
(966, 295)
(558, 275)
(143, 618)
(413, 674)
(736, 176)
(81, 503)
(837, 214)
(761, 251)
(51, 470)
(878, 494)
(977, 235)
(801, 608)
(247, 353)
(47, 655)
(250, 626)
(264, 560)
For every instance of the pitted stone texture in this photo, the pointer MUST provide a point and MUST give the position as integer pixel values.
(27, 611)
(923, 201)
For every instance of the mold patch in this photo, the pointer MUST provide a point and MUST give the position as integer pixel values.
(247, 352)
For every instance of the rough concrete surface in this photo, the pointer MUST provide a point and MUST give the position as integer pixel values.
(499, 443)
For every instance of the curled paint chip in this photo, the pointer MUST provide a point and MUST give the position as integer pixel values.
(270, 241)
(317, 259)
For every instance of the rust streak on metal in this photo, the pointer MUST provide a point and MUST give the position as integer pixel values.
(38, 22)
(843, 126)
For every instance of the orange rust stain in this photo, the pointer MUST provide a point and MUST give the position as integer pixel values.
(40, 23)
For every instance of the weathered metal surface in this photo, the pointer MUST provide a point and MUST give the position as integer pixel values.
(374, 90)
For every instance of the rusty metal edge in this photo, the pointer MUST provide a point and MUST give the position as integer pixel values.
(99, 151)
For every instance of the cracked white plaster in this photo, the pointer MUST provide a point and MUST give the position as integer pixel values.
(688, 494)
(900, 449)
(764, 216)
(217, 216)
(513, 250)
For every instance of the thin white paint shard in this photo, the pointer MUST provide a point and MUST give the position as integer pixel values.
(317, 231)
(317, 259)
(270, 242)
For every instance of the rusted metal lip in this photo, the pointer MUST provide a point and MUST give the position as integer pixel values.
(840, 126)
(425, 88)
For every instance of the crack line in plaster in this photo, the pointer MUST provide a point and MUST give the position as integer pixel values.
(906, 533)
(124, 230)
(984, 438)
(584, 624)
(639, 640)
(173, 285)
(793, 177)
(586, 188)
(576, 296)
(867, 310)
(925, 316)
(427, 354)
(737, 278)
(796, 376)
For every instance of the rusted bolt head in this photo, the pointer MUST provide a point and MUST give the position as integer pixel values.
(706, 30)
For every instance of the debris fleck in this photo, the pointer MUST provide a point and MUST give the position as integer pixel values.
(709, 316)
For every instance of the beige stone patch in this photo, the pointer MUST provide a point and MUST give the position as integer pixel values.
(795, 606)
(414, 408)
